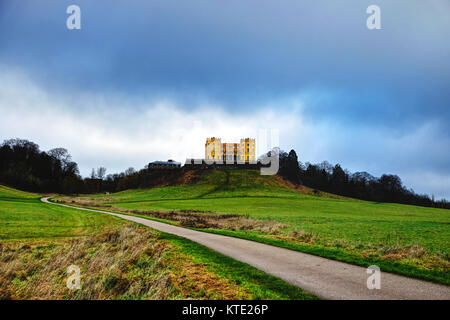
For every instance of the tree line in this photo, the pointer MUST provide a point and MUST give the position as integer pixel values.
(24, 166)
(360, 185)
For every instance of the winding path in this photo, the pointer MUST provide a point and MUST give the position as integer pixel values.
(327, 279)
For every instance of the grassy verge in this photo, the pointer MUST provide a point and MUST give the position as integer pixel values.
(258, 284)
(121, 262)
(132, 262)
(335, 253)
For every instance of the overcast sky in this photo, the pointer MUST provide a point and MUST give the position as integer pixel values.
(150, 80)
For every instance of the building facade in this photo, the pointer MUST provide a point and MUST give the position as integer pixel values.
(242, 152)
(170, 164)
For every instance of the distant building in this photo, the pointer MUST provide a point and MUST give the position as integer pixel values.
(243, 152)
(169, 164)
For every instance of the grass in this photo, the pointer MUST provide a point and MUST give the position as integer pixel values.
(409, 240)
(111, 264)
(258, 284)
(24, 216)
(118, 259)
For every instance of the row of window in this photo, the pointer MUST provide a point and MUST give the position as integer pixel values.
(228, 158)
(248, 150)
(242, 145)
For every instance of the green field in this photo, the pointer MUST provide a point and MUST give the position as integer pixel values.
(24, 216)
(406, 239)
(118, 259)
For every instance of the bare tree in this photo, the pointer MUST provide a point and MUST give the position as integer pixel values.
(130, 171)
(63, 156)
(101, 171)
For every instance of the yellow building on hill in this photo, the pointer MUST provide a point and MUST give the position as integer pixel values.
(243, 152)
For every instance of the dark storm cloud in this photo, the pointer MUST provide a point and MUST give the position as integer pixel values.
(242, 51)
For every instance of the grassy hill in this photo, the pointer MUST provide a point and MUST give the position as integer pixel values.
(405, 239)
(118, 259)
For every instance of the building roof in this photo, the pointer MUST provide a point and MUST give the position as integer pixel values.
(169, 162)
